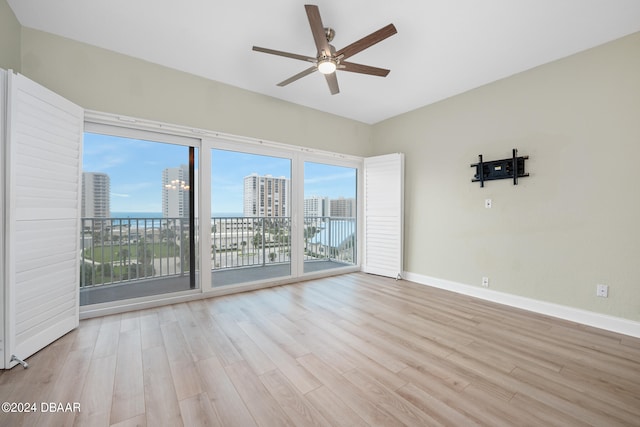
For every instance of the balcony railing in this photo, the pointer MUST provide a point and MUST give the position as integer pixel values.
(332, 238)
(120, 250)
(116, 250)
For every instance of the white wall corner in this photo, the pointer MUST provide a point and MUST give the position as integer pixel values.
(589, 318)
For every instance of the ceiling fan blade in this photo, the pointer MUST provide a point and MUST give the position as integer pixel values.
(363, 69)
(367, 41)
(317, 29)
(285, 54)
(332, 81)
(298, 76)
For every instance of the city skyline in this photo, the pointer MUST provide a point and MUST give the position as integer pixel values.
(135, 169)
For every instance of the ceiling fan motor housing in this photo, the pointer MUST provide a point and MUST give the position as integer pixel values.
(330, 33)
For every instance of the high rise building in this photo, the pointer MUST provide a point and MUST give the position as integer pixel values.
(266, 196)
(316, 206)
(342, 207)
(95, 195)
(175, 192)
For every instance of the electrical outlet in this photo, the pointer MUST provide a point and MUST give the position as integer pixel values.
(487, 203)
(602, 291)
(485, 282)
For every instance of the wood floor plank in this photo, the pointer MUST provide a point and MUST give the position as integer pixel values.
(174, 342)
(299, 377)
(245, 346)
(161, 402)
(107, 339)
(128, 388)
(97, 393)
(130, 321)
(354, 397)
(148, 318)
(151, 337)
(386, 399)
(86, 336)
(441, 414)
(340, 356)
(333, 409)
(315, 341)
(550, 415)
(604, 388)
(194, 335)
(490, 409)
(186, 379)
(287, 303)
(166, 314)
(265, 409)
(139, 421)
(197, 411)
(67, 389)
(225, 400)
(217, 339)
(547, 395)
(389, 361)
(284, 341)
(294, 404)
(596, 410)
(447, 396)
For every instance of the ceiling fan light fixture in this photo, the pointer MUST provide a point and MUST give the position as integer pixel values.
(327, 66)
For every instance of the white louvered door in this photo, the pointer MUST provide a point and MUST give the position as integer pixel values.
(42, 216)
(383, 215)
(3, 135)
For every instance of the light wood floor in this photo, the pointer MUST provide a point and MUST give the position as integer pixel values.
(352, 350)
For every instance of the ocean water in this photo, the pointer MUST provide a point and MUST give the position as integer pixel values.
(136, 214)
(159, 214)
(154, 219)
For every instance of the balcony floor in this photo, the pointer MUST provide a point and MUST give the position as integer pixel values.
(163, 285)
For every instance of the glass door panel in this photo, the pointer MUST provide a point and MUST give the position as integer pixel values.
(139, 222)
(250, 217)
(329, 216)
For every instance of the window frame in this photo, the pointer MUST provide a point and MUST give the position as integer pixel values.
(204, 141)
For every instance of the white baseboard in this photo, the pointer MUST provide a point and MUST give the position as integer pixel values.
(597, 320)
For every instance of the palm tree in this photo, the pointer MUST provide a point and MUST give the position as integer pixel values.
(257, 240)
(124, 255)
(309, 232)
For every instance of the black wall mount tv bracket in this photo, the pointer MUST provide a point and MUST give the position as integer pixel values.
(500, 169)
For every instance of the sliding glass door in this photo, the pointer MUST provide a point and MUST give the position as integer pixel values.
(250, 217)
(330, 213)
(139, 217)
(273, 214)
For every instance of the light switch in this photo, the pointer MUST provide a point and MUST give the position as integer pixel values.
(487, 203)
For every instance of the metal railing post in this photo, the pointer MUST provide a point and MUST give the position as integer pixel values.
(181, 251)
(264, 259)
(330, 238)
(82, 267)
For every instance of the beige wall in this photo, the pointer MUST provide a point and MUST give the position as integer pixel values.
(9, 38)
(573, 223)
(106, 81)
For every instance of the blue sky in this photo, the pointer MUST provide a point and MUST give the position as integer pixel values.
(135, 171)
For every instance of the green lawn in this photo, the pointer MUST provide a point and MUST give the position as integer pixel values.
(104, 254)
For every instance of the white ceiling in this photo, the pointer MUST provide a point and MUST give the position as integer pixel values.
(443, 47)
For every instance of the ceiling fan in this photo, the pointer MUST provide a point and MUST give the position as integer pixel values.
(328, 60)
